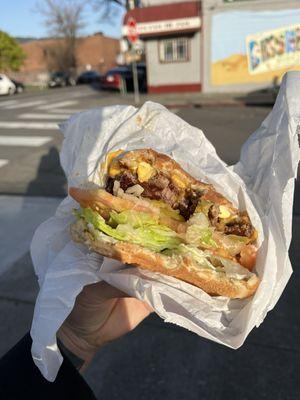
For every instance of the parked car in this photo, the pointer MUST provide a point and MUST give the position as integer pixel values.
(19, 86)
(122, 78)
(61, 79)
(6, 85)
(88, 77)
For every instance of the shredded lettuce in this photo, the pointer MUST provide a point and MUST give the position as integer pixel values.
(236, 238)
(204, 206)
(205, 259)
(167, 210)
(92, 217)
(133, 218)
(152, 236)
(139, 228)
(200, 256)
(200, 236)
(199, 232)
(234, 270)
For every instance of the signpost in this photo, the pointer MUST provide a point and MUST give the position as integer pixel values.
(132, 35)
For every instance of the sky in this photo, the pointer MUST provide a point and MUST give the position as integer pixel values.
(231, 28)
(18, 18)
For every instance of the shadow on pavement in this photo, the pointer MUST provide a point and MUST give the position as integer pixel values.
(50, 179)
(263, 97)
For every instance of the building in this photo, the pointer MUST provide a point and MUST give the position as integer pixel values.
(216, 45)
(172, 38)
(96, 52)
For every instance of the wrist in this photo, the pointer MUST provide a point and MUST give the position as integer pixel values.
(77, 362)
(78, 351)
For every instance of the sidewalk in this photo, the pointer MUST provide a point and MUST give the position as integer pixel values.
(264, 97)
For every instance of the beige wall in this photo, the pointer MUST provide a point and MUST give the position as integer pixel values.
(173, 73)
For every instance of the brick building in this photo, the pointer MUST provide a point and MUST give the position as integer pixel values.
(96, 52)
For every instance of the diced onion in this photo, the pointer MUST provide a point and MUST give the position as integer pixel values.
(116, 187)
(136, 190)
(199, 219)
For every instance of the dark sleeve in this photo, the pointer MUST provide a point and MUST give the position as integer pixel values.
(21, 379)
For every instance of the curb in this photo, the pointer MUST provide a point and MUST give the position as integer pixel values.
(203, 104)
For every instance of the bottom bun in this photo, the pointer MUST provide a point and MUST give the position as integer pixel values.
(212, 282)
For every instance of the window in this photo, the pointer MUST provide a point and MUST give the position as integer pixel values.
(173, 50)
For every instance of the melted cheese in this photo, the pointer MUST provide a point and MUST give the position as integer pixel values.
(114, 169)
(224, 212)
(179, 180)
(145, 171)
(109, 158)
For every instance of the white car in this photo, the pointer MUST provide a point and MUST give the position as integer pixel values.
(6, 85)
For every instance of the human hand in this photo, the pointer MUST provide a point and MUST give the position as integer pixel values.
(101, 314)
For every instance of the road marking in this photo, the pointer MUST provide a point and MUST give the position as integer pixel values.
(43, 116)
(28, 125)
(68, 111)
(58, 105)
(3, 162)
(8, 102)
(25, 104)
(32, 141)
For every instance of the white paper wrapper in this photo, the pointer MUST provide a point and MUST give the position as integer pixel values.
(262, 182)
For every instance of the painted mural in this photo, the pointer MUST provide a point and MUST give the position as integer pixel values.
(254, 47)
(273, 50)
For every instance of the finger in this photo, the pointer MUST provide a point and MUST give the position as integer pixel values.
(101, 291)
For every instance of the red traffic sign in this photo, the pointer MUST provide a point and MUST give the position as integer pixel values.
(132, 33)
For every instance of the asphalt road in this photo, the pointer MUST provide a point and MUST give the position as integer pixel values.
(30, 138)
(156, 360)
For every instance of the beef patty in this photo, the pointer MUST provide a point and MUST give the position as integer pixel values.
(160, 187)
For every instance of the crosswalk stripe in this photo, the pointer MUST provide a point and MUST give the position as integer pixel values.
(28, 125)
(68, 111)
(32, 141)
(43, 116)
(25, 104)
(3, 162)
(57, 105)
(8, 103)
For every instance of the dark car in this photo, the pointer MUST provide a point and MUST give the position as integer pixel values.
(88, 77)
(61, 79)
(121, 78)
(19, 86)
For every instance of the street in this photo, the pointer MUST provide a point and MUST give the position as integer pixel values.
(156, 360)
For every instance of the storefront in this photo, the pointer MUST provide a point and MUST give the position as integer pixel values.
(172, 40)
(217, 45)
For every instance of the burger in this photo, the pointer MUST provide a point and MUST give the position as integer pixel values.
(152, 214)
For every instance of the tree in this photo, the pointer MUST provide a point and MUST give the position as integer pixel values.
(64, 19)
(109, 7)
(11, 53)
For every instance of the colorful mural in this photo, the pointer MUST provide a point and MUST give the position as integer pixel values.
(254, 47)
(273, 50)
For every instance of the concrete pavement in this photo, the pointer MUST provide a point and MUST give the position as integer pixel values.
(157, 360)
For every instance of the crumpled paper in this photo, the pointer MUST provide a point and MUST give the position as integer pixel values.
(262, 182)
